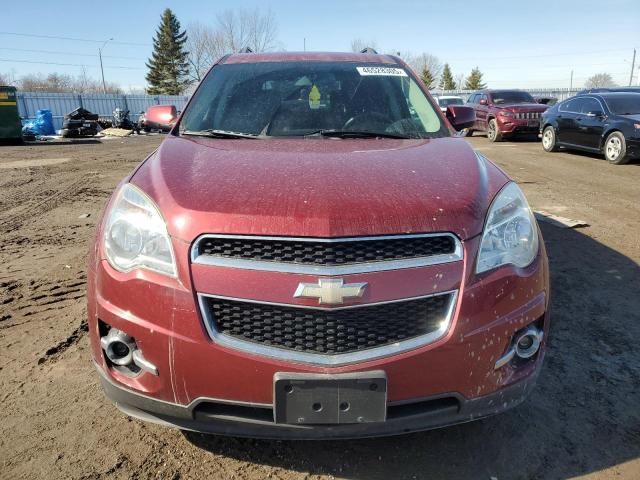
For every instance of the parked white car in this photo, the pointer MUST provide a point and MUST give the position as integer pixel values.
(446, 100)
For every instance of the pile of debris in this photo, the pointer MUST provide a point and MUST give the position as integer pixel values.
(80, 123)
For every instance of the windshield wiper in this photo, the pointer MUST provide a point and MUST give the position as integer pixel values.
(355, 134)
(212, 132)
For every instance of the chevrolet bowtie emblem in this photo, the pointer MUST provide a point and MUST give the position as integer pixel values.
(330, 291)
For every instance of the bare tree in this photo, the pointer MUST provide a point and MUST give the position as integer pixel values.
(8, 78)
(248, 28)
(357, 44)
(600, 80)
(460, 80)
(61, 83)
(205, 45)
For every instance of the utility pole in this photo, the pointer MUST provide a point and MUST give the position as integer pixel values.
(633, 64)
(304, 44)
(104, 85)
(571, 81)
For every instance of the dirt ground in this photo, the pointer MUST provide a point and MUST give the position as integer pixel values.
(583, 420)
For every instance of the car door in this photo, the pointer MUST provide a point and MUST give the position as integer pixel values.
(567, 121)
(590, 123)
(482, 111)
(471, 101)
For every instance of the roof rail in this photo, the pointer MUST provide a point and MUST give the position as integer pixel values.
(368, 50)
(245, 50)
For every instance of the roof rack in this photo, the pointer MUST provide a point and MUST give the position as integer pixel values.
(245, 50)
(368, 50)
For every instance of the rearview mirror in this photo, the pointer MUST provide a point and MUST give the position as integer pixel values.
(460, 116)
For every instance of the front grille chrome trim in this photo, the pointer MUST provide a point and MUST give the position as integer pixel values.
(365, 267)
(334, 360)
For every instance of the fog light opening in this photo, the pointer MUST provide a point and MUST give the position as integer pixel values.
(524, 345)
(527, 343)
(123, 353)
(118, 347)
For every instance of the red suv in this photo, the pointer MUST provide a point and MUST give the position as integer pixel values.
(504, 113)
(313, 253)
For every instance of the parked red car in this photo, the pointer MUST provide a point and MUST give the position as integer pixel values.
(505, 113)
(158, 117)
(313, 253)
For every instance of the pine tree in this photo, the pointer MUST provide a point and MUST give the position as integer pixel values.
(474, 80)
(446, 81)
(427, 77)
(168, 65)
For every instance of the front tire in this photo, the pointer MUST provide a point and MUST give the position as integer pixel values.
(549, 141)
(493, 133)
(615, 149)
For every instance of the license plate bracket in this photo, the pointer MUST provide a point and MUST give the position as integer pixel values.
(319, 399)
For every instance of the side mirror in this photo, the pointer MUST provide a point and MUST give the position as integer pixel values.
(461, 116)
(483, 101)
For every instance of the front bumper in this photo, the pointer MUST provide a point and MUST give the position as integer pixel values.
(512, 126)
(633, 147)
(197, 375)
(256, 421)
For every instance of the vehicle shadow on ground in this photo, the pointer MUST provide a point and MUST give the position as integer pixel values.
(583, 416)
(522, 138)
(596, 156)
(57, 143)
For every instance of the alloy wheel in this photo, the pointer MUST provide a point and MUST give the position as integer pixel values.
(613, 148)
(547, 139)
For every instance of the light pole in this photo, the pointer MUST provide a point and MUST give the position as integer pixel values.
(104, 85)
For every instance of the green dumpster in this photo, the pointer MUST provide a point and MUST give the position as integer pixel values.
(10, 124)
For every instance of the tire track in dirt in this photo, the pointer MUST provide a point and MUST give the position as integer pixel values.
(13, 220)
(53, 353)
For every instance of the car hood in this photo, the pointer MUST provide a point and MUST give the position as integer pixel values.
(635, 117)
(323, 187)
(523, 107)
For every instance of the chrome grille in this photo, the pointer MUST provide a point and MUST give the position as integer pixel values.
(327, 255)
(528, 115)
(328, 332)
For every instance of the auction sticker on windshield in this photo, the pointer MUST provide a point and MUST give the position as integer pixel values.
(384, 71)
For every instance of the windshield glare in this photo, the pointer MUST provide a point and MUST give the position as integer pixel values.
(629, 104)
(511, 97)
(303, 98)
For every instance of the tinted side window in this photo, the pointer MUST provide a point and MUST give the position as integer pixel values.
(472, 98)
(574, 105)
(590, 105)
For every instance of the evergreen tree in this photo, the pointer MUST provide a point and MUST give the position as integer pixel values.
(168, 65)
(427, 77)
(446, 81)
(474, 80)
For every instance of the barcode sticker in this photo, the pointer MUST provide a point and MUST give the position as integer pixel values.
(382, 71)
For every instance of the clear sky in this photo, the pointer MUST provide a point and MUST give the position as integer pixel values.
(514, 43)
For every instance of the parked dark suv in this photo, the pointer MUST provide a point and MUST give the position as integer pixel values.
(504, 113)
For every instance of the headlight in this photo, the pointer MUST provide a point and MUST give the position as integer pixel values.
(506, 114)
(510, 235)
(136, 234)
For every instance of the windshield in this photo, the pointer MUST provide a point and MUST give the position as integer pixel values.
(445, 102)
(304, 98)
(628, 104)
(508, 97)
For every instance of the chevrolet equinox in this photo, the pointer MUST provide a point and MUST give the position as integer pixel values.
(313, 252)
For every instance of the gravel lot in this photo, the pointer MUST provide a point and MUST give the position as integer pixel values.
(582, 421)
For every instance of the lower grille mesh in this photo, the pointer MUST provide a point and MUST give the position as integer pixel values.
(327, 331)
